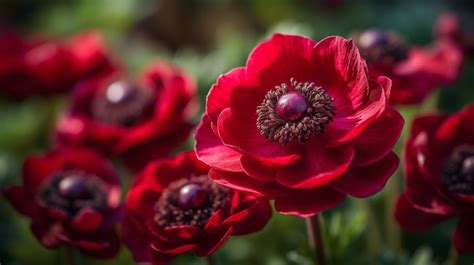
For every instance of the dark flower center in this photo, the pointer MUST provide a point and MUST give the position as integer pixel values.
(72, 191)
(192, 196)
(381, 46)
(458, 170)
(123, 103)
(191, 202)
(292, 106)
(294, 112)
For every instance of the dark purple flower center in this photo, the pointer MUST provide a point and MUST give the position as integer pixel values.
(192, 196)
(73, 187)
(190, 202)
(123, 103)
(292, 106)
(381, 46)
(294, 112)
(468, 167)
(458, 170)
(72, 191)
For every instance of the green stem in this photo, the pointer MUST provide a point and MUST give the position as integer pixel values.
(453, 256)
(374, 237)
(211, 260)
(315, 237)
(392, 228)
(70, 257)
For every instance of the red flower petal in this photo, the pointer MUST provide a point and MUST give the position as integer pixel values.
(46, 232)
(257, 219)
(317, 167)
(413, 218)
(172, 250)
(237, 216)
(109, 248)
(369, 146)
(420, 190)
(439, 65)
(341, 72)
(88, 53)
(243, 135)
(103, 244)
(175, 91)
(218, 98)
(36, 170)
(87, 160)
(136, 154)
(210, 244)
(182, 233)
(367, 180)
(448, 25)
(210, 149)
(87, 219)
(20, 199)
(463, 238)
(142, 198)
(305, 203)
(244, 183)
(280, 58)
(427, 122)
(258, 170)
(456, 129)
(214, 223)
(136, 237)
(346, 128)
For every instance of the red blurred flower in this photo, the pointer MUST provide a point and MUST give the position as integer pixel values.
(449, 27)
(44, 67)
(139, 121)
(439, 170)
(306, 145)
(73, 198)
(415, 71)
(173, 208)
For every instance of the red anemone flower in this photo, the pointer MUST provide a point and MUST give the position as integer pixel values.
(44, 67)
(415, 71)
(73, 199)
(450, 27)
(439, 170)
(138, 121)
(173, 207)
(301, 123)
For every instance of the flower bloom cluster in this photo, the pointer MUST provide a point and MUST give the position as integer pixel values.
(73, 194)
(304, 123)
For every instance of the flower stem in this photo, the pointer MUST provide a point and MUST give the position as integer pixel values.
(374, 237)
(453, 256)
(70, 257)
(392, 228)
(315, 238)
(211, 260)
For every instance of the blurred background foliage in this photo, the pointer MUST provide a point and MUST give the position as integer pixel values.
(207, 38)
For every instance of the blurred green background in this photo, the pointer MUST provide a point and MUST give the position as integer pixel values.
(207, 38)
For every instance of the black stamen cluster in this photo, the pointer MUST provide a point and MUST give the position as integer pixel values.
(319, 113)
(95, 196)
(169, 213)
(452, 176)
